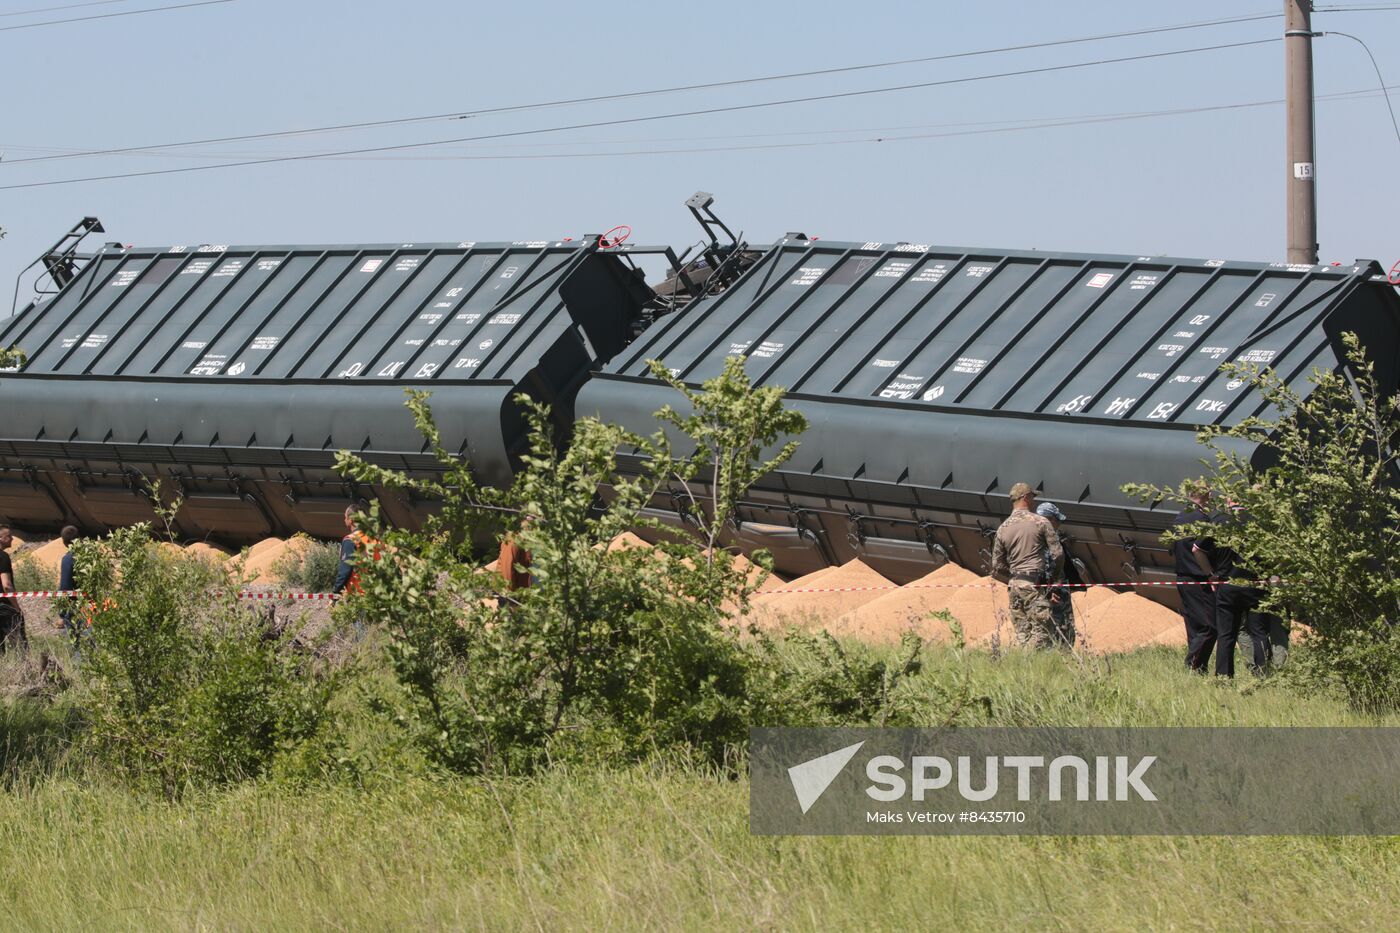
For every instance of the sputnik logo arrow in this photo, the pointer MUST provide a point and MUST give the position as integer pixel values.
(811, 778)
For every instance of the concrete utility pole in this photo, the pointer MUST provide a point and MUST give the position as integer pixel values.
(1302, 185)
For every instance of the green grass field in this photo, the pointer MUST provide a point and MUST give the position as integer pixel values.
(665, 847)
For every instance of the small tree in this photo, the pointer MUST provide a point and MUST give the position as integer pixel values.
(1319, 490)
(731, 425)
(610, 648)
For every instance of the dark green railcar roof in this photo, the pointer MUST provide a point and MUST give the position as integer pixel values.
(1119, 338)
(401, 313)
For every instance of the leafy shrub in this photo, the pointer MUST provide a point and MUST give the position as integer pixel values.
(609, 653)
(802, 679)
(185, 684)
(309, 565)
(616, 649)
(1320, 509)
(31, 575)
(814, 680)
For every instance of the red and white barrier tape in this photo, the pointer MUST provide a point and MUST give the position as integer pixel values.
(991, 586)
(51, 594)
(42, 594)
(1275, 581)
(246, 595)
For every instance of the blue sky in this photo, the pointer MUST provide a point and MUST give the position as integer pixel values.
(1206, 184)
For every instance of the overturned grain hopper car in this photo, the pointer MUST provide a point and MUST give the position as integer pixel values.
(234, 374)
(935, 378)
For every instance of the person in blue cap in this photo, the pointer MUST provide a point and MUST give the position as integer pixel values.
(1061, 606)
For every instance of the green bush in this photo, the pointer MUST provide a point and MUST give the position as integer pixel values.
(1320, 508)
(31, 575)
(813, 680)
(308, 565)
(808, 680)
(615, 650)
(608, 654)
(184, 684)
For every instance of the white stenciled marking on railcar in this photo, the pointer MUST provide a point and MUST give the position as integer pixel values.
(1119, 406)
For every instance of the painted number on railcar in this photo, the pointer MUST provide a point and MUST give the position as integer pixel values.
(1078, 403)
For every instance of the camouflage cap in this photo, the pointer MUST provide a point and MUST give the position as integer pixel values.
(1021, 491)
(1051, 510)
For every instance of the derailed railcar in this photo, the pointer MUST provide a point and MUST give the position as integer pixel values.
(234, 374)
(935, 378)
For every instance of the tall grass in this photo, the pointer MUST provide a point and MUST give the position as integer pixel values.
(664, 846)
(646, 847)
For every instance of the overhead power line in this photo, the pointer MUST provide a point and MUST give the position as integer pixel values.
(653, 92)
(708, 111)
(758, 141)
(1010, 127)
(1379, 77)
(67, 6)
(84, 19)
(984, 130)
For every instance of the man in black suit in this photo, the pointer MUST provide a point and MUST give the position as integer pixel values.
(1234, 602)
(1193, 583)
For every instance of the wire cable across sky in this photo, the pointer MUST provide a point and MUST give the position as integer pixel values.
(739, 142)
(627, 121)
(66, 6)
(653, 92)
(84, 19)
(1379, 77)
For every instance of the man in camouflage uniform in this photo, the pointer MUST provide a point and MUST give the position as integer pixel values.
(1018, 559)
(1061, 606)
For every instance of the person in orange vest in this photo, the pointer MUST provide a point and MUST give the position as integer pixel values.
(513, 564)
(347, 577)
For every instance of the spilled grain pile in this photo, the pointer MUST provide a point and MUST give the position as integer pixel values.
(1091, 597)
(1124, 621)
(819, 599)
(752, 572)
(261, 560)
(1174, 636)
(205, 551)
(885, 619)
(626, 542)
(980, 608)
(49, 555)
